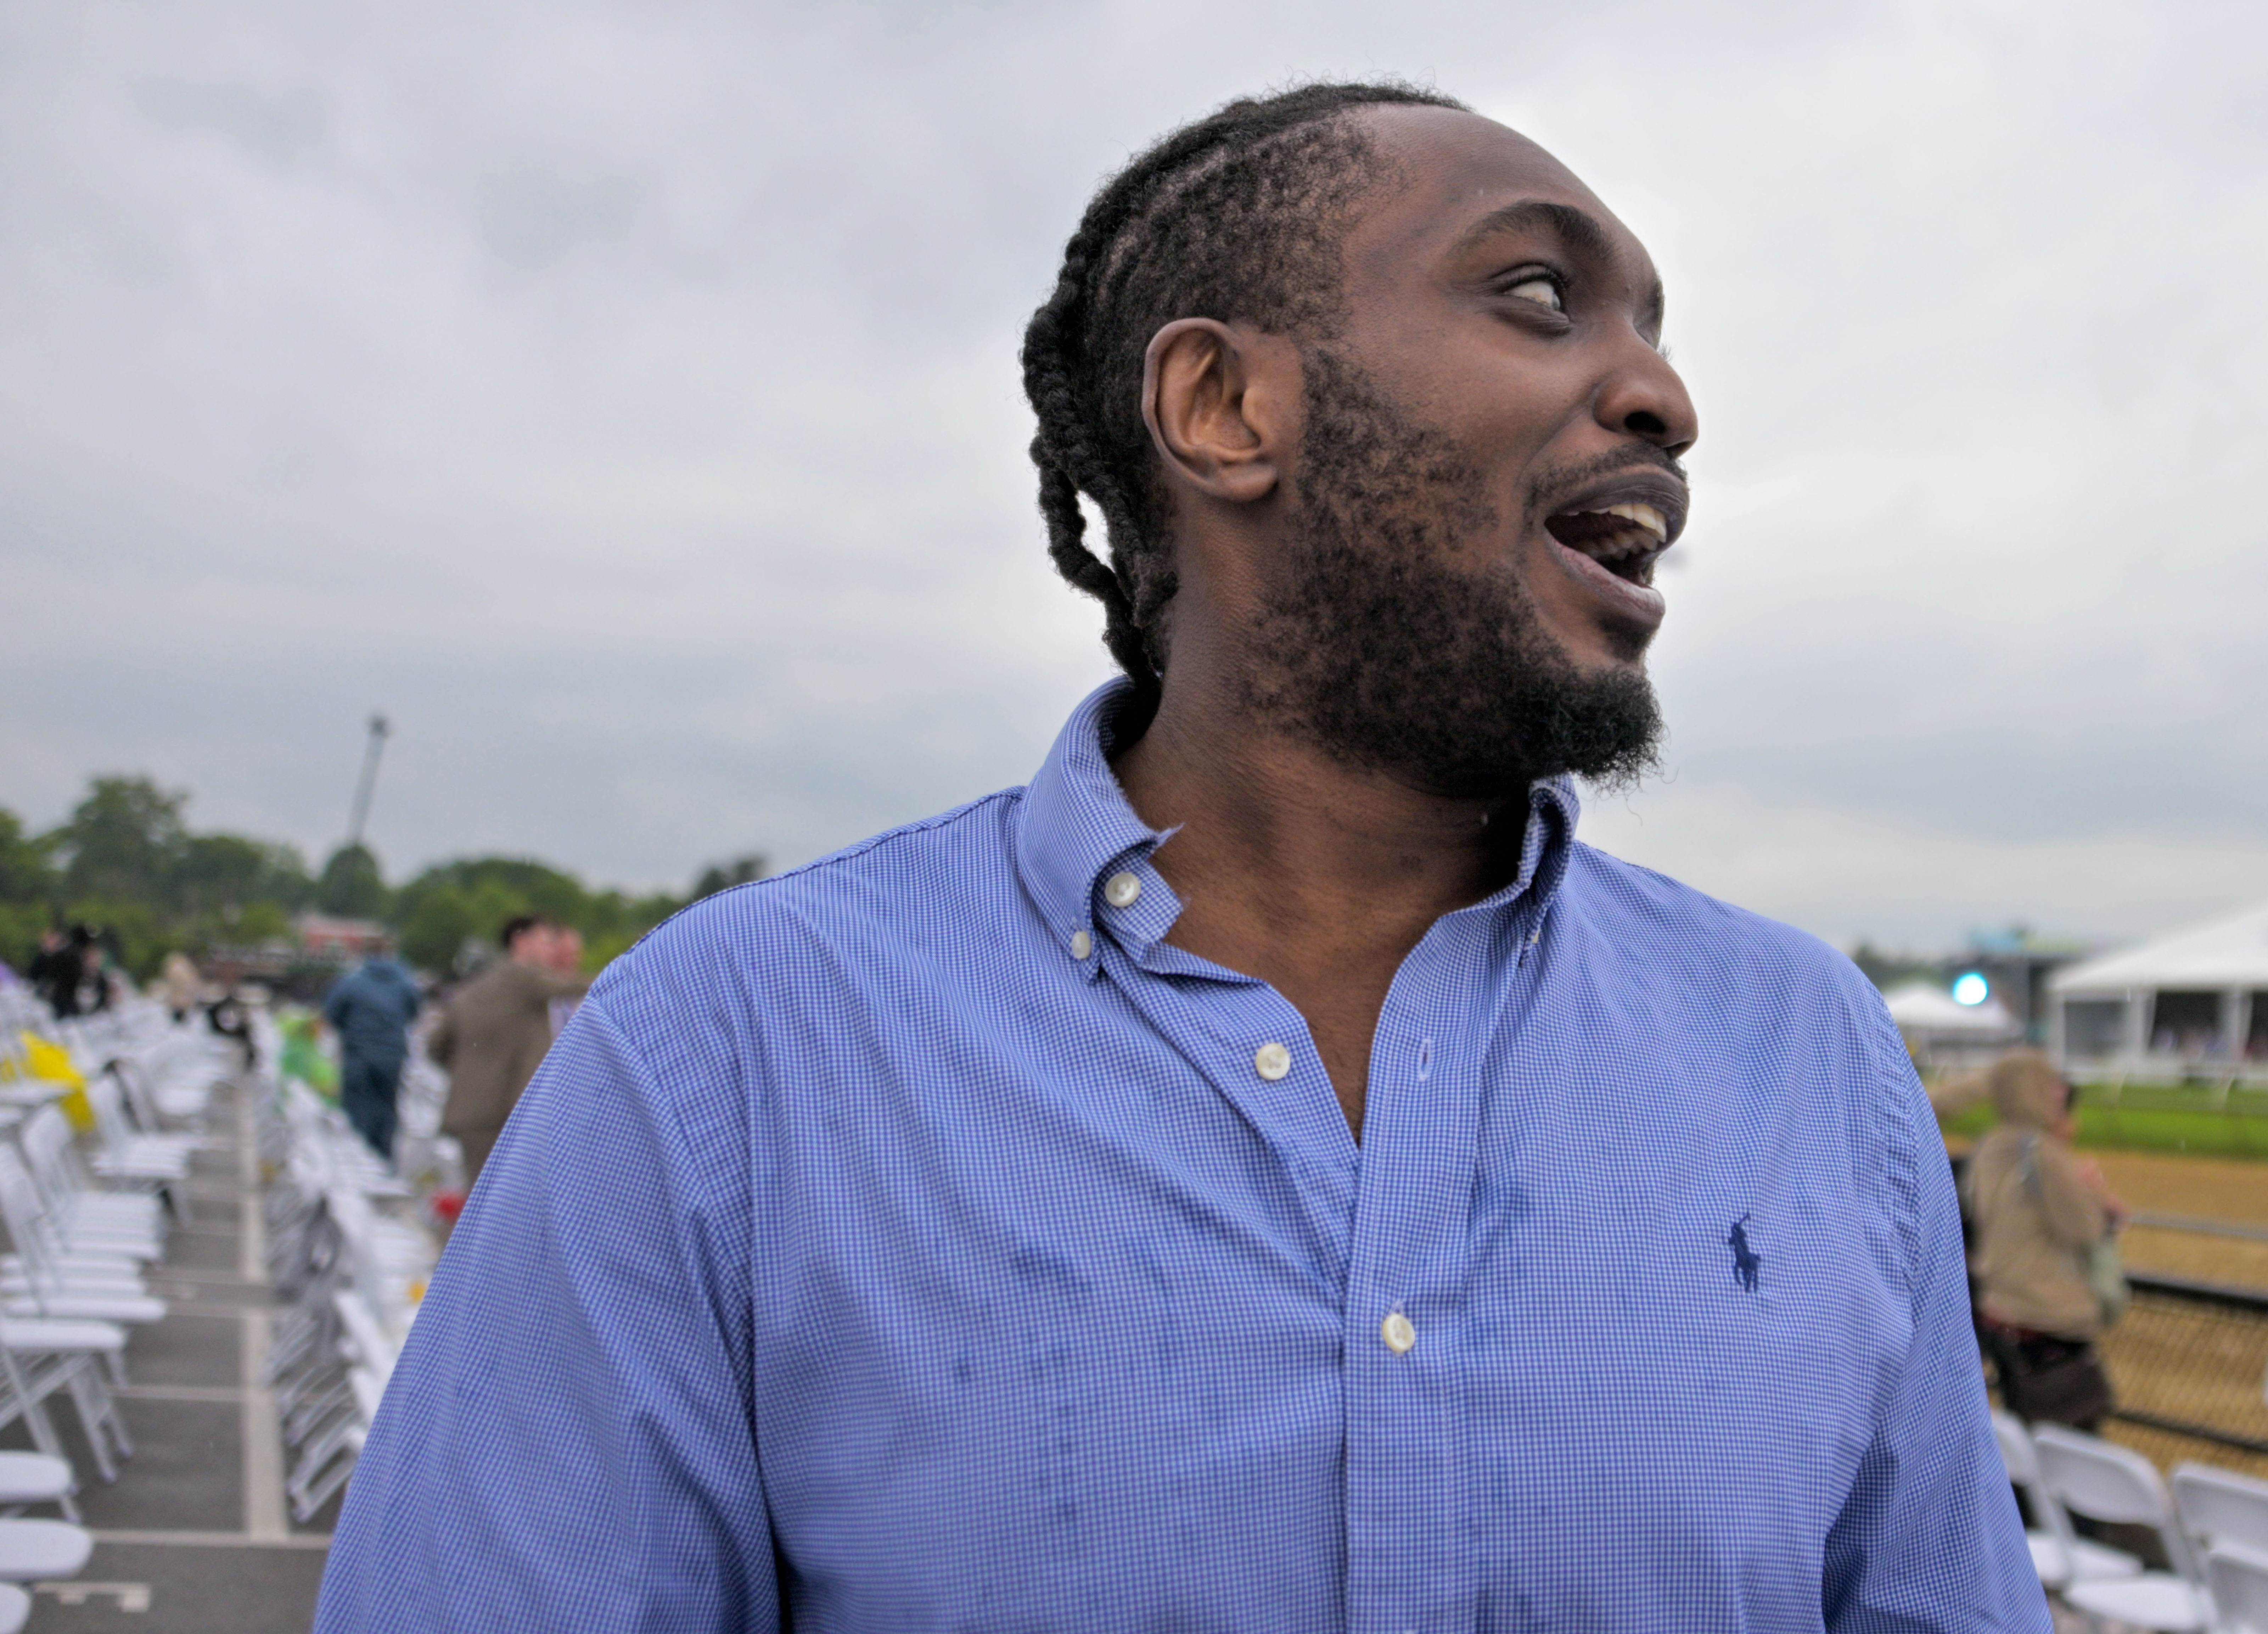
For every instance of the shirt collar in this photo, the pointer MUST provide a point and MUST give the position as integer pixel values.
(1077, 825)
(1076, 820)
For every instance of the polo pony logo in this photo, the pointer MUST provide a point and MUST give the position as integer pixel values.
(1746, 1260)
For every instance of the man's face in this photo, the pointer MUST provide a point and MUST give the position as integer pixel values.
(1496, 302)
(1484, 477)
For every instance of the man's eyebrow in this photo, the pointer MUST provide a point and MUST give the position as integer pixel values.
(1579, 231)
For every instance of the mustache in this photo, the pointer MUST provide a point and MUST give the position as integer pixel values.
(1636, 456)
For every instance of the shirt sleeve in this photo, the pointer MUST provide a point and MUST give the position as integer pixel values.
(567, 1441)
(1930, 1539)
(441, 1043)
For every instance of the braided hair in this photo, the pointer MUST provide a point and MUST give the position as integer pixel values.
(1234, 217)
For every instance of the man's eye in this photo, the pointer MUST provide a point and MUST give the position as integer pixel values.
(1544, 292)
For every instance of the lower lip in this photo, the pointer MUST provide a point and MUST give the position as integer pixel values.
(1641, 602)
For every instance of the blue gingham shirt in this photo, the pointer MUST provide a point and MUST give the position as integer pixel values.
(912, 1242)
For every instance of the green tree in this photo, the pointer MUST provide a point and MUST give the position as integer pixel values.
(724, 876)
(220, 875)
(455, 904)
(27, 874)
(352, 885)
(122, 842)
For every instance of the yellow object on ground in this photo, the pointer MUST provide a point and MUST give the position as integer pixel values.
(52, 1063)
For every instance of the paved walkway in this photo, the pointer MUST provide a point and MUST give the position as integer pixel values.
(196, 1537)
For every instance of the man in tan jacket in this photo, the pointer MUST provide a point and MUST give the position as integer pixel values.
(496, 1032)
(2038, 1210)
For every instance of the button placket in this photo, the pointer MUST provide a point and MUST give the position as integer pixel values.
(1406, 1449)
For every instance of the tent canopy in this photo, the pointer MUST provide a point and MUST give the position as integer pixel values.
(2231, 952)
(1923, 1007)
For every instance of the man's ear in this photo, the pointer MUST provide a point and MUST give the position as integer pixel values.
(1218, 400)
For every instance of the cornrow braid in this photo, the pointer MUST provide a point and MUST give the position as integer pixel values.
(1234, 217)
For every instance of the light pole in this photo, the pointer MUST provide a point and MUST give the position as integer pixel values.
(368, 784)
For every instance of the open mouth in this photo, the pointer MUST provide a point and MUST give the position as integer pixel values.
(1626, 540)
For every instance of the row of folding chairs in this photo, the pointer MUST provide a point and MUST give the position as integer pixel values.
(348, 1274)
(2211, 1523)
(84, 1221)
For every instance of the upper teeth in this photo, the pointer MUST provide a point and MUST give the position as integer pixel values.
(1645, 516)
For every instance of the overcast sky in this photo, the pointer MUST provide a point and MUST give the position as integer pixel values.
(623, 399)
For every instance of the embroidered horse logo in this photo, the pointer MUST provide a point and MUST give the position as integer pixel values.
(1746, 1260)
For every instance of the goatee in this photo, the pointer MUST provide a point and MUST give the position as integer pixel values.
(1379, 649)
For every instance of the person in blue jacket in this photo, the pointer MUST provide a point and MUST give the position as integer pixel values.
(371, 1011)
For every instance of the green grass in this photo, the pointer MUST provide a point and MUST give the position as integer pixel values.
(2152, 1119)
(2160, 1129)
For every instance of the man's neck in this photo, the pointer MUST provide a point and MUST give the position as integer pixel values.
(1312, 875)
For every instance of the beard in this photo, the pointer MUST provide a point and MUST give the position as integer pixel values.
(1384, 652)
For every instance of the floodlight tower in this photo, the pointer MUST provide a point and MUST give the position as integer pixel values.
(368, 784)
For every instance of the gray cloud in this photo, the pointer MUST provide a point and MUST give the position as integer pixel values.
(624, 398)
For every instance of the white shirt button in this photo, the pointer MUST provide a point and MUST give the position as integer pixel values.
(1272, 1061)
(1081, 944)
(1121, 889)
(1397, 1333)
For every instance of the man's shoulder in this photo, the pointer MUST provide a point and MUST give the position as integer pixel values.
(1667, 918)
(944, 873)
(491, 986)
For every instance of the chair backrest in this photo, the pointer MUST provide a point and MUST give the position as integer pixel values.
(2222, 1506)
(21, 1209)
(2238, 1578)
(2016, 1454)
(133, 1076)
(104, 1096)
(2101, 1481)
(47, 1142)
(2022, 1463)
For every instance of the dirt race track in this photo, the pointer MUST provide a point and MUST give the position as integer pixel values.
(2175, 1358)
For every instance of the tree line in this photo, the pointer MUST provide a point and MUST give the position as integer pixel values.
(126, 860)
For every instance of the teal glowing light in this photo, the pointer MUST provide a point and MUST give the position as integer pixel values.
(1971, 989)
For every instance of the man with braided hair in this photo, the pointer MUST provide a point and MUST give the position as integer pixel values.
(1266, 1174)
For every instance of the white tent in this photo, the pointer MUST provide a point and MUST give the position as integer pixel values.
(1924, 1010)
(1944, 1032)
(2192, 999)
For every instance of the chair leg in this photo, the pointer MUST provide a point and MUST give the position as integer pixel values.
(89, 1419)
(46, 1440)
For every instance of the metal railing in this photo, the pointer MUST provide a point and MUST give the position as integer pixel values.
(2190, 1359)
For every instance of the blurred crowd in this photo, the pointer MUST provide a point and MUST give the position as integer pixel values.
(488, 1031)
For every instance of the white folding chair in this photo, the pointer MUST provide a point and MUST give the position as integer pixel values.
(87, 1220)
(50, 1479)
(15, 1608)
(2090, 1476)
(2222, 1506)
(2057, 1555)
(35, 1552)
(2238, 1577)
(172, 1081)
(44, 1357)
(33, 1478)
(47, 1293)
(158, 1163)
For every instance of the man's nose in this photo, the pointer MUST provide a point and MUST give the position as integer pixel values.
(1643, 396)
